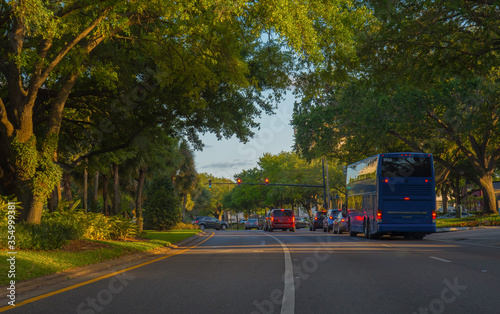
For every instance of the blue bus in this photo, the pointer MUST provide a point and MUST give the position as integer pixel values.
(391, 194)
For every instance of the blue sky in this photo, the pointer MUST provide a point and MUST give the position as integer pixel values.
(226, 158)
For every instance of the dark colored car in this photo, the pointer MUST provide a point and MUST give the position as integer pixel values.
(340, 224)
(317, 221)
(301, 223)
(283, 219)
(251, 224)
(329, 218)
(210, 223)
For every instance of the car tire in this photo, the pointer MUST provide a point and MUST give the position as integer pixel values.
(202, 227)
(324, 229)
(351, 233)
(333, 230)
(292, 229)
(223, 227)
(270, 229)
(313, 228)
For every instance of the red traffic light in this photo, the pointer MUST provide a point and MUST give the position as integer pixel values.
(238, 181)
(267, 181)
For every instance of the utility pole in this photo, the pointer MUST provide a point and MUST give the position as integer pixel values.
(325, 204)
(328, 187)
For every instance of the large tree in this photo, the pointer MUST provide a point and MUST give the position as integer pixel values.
(427, 80)
(204, 57)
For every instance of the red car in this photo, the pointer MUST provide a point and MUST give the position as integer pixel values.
(283, 219)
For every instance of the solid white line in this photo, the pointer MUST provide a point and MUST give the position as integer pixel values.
(288, 303)
(440, 259)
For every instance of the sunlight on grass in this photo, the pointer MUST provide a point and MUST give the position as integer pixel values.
(489, 220)
(32, 264)
(171, 236)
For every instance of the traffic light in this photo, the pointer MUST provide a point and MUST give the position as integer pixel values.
(239, 181)
(267, 181)
(209, 183)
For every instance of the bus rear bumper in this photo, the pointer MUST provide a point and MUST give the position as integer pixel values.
(422, 228)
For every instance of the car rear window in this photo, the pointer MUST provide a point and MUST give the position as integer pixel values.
(251, 220)
(282, 213)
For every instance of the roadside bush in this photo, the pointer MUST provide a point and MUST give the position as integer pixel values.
(163, 206)
(48, 235)
(188, 226)
(62, 226)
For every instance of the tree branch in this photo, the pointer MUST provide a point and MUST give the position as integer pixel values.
(104, 150)
(6, 127)
(38, 80)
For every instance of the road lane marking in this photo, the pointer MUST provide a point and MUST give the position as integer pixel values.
(440, 259)
(288, 303)
(43, 296)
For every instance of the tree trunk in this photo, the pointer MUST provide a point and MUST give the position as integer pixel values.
(66, 183)
(444, 194)
(489, 198)
(35, 214)
(105, 195)
(54, 199)
(96, 191)
(138, 199)
(85, 189)
(116, 190)
(184, 202)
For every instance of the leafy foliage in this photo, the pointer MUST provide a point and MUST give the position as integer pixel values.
(163, 206)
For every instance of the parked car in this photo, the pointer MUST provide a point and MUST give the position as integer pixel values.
(328, 220)
(210, 223)
(454, 215)
(283, 219)
(340, 224)
(317, 221)
(301, 223)
(252, 223)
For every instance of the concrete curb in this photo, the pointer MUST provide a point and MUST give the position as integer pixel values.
(38, 286)
(465, 228)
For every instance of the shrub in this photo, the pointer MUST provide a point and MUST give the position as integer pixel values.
(64, 225)
(163, 206)
(181, 225)
(48, 235)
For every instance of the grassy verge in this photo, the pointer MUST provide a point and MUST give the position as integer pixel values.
(490, 220)
(32, 264)
(171, 236)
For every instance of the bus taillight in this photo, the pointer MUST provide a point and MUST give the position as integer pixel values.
(379, 215)
(434, 216)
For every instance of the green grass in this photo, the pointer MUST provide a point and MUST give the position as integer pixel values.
(171, 236)
(33, 264)
(489, 220)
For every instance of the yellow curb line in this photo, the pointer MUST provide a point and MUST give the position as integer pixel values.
(43, 296)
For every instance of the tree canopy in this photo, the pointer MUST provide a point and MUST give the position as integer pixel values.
(79, 79)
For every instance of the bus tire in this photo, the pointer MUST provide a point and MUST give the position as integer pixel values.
(367, 230)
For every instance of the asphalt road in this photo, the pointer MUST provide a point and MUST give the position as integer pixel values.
(302, 272)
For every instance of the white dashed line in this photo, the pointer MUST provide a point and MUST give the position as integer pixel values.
(440, 259)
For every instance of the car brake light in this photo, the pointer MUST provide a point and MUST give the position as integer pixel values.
(433, 215)
(196, 222)
(315, 218)
(331, 217)
(342, 220)
(272, 218)
(379, 214)
(406, 198)
(293, 219)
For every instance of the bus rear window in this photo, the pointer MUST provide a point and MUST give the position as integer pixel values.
(406, 166)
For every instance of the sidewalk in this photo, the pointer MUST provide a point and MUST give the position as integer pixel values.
(46, 284)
